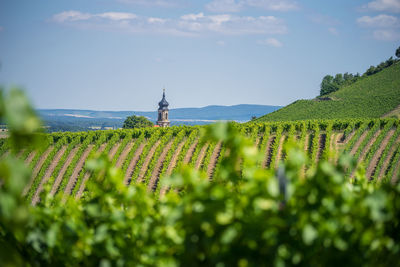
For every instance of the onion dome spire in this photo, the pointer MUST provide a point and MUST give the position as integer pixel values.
(163, 104)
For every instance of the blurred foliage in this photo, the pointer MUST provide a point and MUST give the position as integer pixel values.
(23, 123)
(246, 216)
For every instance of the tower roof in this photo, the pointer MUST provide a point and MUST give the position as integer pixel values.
(163, 104)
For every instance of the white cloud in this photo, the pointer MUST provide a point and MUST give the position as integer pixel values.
(237, 5)
(271, 42)
(333, 31)
(117, 15)
(386, 28)
(380, 21)
(386, 35)
(219, 19)
(384, 5)
(156, 20)
(221, 43)
(186, 25)
(234, 25)
(71, 16)
(192, 16)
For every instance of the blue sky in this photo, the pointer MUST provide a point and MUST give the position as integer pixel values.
(119, 54)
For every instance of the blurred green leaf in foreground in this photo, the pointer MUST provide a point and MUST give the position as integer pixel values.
(246, 216)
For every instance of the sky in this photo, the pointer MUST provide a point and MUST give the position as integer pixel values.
(120, 54)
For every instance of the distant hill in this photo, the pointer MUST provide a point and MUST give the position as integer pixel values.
(372, 96)
(81, 120)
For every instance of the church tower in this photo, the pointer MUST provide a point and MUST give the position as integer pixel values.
(163, 112)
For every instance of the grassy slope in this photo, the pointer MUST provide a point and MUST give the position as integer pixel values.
(371, 97)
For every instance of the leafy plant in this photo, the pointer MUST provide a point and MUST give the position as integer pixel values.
(244, 217)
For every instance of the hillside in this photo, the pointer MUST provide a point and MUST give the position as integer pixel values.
(81, 120)
(241, 112)
(371, 97)
(147, 155)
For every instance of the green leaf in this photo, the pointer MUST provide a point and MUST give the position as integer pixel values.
(309, 234)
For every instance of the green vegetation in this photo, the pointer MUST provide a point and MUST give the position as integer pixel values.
(134, 121)
(149, 151)
(372, 69)
(331, 84)
(370, 97)
(247, 216)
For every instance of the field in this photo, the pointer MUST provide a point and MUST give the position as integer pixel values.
(371, 97)
(148, 155)
(226, 194)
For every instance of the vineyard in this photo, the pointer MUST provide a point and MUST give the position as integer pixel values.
(228, 194)
(147, 155)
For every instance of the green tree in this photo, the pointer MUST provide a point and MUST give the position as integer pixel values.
(398, 52)
(338, 79)
(390, 62)
(328, 85)
(347, 76)
(136, 122)
(372, 70)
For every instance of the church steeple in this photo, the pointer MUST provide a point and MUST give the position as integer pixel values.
(163, 104)
(163, 112)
